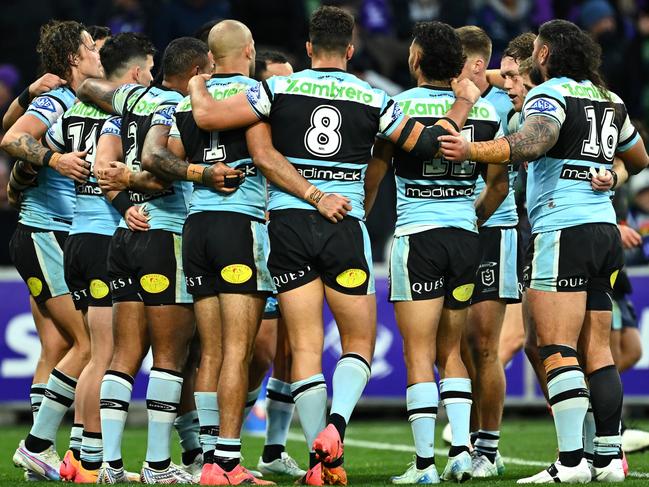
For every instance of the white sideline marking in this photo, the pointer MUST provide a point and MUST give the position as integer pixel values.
(376, 445)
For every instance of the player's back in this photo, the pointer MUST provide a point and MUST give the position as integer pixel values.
(593, 129)
(439, 193)
(142, 108)
(228, 147)
(49, 204)
(325, 121)
(79, 130)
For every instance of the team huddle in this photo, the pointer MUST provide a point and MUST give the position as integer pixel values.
(207, 214)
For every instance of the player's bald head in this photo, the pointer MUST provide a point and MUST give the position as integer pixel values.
(228, 37)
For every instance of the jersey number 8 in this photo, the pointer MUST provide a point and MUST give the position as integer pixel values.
(323, 138)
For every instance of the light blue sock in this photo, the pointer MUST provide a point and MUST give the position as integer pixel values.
(207, 408)
(422, 402)
(76, 437)
(589, 434)
(608, 446)
(92, 450)
(568, 396)
(188, 428)
(114, 399)
(36, 398)
(349, 380)
(279, 411)
(456, 396)
(251, 399)
(162, 399)
(58, 397)
(310, 397)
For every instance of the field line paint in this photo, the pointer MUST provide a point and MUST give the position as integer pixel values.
(377, 445)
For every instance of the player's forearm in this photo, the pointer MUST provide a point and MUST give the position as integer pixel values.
(22, 145)
(146, 182)
(376, 170)
(457, 114)
(488, 202)
(97, 91)
(14, 112)
(165, 164)
(282, 173)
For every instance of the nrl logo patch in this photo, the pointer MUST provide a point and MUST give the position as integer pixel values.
(542, 105)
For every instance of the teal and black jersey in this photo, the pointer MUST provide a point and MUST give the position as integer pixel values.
(506, 214)
(324, 122)
(593, 129)
(142, 108)
(228, 147)
(78, 130)
(439, 193)
(50, 204)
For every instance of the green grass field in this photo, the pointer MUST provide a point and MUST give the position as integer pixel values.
(374, 451)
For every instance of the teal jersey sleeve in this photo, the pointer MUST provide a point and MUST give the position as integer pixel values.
(123, 96)
(545, 101)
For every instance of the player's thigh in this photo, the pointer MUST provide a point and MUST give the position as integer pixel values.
(512, 335)
(595, 340)
(100, 323)
(484, 323)
(171, 328)
(207, 310)
(240, 317)
(355, 317)
(130, 336)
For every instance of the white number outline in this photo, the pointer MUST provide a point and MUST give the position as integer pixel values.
(316, 151)
(215, 152)
(608, 134)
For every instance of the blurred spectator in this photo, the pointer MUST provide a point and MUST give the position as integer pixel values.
(406, 13)
(9, 78)
(503, 20)
(637, 97)
(125, 15)
(599, 18)
(639, 217)
(178, 18)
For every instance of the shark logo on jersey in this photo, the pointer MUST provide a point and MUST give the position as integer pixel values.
(167, 113)
(542, 105)
(254, 93)
(44, 103)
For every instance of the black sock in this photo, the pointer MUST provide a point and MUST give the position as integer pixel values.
(76, 453)
(313, 459)
(456, 450)
(335, 463)
(117, 464)
(208, 457)
(227, 464)
(339, 423)
(571, 458)
(423, 462)
(606, 397)
(36, 445)
(473, 436)
(189, 456)
(272, 452)
(90, 465)
(161, 465)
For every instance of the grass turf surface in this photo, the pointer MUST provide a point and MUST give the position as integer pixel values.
(377, 450)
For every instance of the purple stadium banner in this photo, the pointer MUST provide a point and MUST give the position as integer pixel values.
(19, 350)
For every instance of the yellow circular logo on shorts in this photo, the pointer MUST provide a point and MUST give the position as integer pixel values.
(35, 286)
(154, 283)
(98, 289)
(463, 293)
(614, 277)
(351, 278)
(236, 273)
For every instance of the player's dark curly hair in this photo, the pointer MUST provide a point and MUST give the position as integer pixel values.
(573, 53)
(520, 47)
(264, 58)
(59, 41)
(120, 51)
(330, 29)
(99, 32)
(182, 54)
(442, 55)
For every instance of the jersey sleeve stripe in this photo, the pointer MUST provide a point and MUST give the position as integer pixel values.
(629, 138)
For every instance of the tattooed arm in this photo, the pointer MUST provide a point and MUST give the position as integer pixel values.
(22, 142)
(537, 136)
(98, 91)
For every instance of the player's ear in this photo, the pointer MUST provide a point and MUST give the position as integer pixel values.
(309, 49)
(350, 52)
(73, 59)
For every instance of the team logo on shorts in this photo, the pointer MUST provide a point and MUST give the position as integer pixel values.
(236, 273)
(35, 286)
(351, 278)
(463, 293)
(154, 283)
(98, 289)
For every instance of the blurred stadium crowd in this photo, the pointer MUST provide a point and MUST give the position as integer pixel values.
(382, 37)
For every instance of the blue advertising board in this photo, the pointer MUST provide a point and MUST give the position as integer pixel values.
(20, 347)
